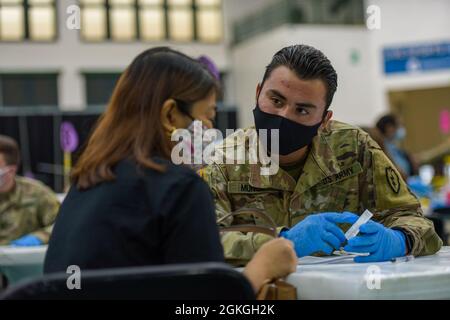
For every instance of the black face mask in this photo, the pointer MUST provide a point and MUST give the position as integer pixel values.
(293, 136)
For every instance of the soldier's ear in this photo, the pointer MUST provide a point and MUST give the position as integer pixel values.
(327, 118)
(258, 91)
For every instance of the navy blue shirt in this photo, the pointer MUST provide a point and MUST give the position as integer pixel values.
(143, 217)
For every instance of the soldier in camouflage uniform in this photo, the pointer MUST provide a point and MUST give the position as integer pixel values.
(28, 208)
(342, 170)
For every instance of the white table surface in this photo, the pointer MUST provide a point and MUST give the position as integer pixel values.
(422, 278)
(10, 256)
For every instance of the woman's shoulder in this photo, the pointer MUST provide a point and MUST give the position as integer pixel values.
(176, 182)
(171, 173)
(181, 174)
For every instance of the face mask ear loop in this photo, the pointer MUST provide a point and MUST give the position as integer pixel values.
(182, 106)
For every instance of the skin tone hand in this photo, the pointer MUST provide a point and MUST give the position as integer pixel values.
(275, 259)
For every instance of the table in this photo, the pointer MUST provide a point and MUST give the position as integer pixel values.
(19, 263)
(422, 278)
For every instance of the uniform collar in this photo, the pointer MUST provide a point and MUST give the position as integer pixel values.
(281, 180)
(320, 163)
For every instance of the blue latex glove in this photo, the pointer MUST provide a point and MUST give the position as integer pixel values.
(27, 241)
(382, 243)
(319, 232)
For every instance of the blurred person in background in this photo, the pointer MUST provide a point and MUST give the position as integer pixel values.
(28, 208)
(129, 205)
(393, 133)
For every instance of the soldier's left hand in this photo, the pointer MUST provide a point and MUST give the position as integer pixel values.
(382, 243)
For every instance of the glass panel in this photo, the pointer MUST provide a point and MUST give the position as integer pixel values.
(180, 24)
(152, 24)
(42, 23)
(151, 2)
(123, 23)
(29, 90)
(99, 87)
(209, 25)
(89, 2)
(93, 23)
(208, 3)
(11, 23)
(121, 2)
(180, 2)
(33, 2)
(11, 1)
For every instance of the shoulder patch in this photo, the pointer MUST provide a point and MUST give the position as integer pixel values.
(393, 179)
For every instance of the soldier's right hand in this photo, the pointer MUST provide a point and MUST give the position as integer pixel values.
(319, 233)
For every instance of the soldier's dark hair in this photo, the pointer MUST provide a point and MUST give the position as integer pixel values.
(10, 150)
(309, 64)
(387, 120)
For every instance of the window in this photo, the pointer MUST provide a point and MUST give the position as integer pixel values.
(27, 20)
(152, 20)
(209, 20)
(28, 90)
(123, 19)
(93, 20)
(181, 21)
(99, 87)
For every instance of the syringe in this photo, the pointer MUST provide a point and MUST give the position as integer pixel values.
(354, 229)
(353, 232)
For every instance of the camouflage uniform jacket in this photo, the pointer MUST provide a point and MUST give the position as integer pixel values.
(31, 207)
(345, 170)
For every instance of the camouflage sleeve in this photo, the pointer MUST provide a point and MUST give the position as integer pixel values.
(238, 247)
(385, 193)
(47, 210)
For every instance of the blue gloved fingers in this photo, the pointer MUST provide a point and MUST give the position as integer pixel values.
(325, 248)
(364, 240)
(331, 239)
(335, 230)
(283, 234)
(362, 249)
(344, 217)
(371, 227)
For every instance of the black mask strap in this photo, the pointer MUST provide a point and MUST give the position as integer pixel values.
(184, 108)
